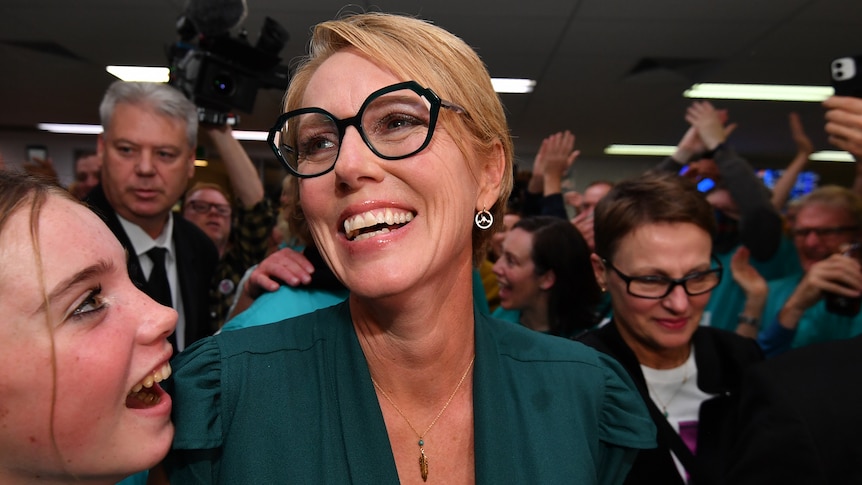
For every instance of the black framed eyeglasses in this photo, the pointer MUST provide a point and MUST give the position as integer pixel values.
(657, 286)
(803, 232)
(395, 122)
(203, 207)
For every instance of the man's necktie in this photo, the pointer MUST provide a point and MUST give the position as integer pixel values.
(160, 288)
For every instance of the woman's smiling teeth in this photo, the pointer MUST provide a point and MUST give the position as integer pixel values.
(371, 223)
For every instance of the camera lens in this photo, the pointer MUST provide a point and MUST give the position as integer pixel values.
(224, 84)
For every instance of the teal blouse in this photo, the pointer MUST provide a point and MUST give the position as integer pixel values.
(293, 402)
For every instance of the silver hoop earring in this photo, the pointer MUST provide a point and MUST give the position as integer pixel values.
(484, 219)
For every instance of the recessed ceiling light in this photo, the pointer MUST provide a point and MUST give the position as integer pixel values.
(759, 92)
(513, 86)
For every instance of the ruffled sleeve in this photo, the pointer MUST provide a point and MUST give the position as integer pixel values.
(195, 387)
(625, 420)
(625, 426)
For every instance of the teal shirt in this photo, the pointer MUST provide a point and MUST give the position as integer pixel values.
(283, 303)
(293, 402)
(136, 479)
(501, 313)
(288, 302)
(816, 324)
(728, 299)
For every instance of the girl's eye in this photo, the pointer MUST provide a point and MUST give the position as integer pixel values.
(92, 303)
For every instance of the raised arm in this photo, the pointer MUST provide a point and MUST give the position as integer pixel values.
(241, 172)
(759, 223)
(804, 148)
(755, 289)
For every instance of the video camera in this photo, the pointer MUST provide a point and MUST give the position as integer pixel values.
(220, 73)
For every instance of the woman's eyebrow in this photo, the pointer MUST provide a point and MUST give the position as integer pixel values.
(92, 271)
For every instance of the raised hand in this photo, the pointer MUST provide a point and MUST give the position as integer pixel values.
(803, 143)
(558, 152)
(844, 123)
(709, 123)
(584, 223)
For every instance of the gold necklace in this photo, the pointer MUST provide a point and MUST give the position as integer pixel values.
(423, 460)
(675, 392)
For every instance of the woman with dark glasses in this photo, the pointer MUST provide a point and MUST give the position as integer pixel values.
(653, 249)
(404, 163)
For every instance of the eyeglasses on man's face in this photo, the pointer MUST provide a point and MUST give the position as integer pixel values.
(203, 207)
(823, 232)
(395, 122)
(659, 286)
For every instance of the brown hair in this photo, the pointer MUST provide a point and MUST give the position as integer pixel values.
(198, 186)
(19, 190)
(649, 199)
(837, 197)
(413, 49)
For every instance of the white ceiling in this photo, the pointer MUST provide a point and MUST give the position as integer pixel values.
(581, 52)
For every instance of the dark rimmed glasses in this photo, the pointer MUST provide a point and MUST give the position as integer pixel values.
(395, 122)
(656, 287)
(203, 207)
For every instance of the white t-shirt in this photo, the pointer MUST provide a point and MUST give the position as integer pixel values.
(675, 392)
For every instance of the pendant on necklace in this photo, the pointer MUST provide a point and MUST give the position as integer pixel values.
(664, 411)
(423, 462)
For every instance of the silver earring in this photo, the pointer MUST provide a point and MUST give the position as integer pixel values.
(484, 219)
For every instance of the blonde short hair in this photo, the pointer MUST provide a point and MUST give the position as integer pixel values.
(416, 50)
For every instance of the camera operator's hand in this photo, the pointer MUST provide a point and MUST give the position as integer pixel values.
(844, 124)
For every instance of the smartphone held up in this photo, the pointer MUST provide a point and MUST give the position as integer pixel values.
(847, 76)
(845, 305)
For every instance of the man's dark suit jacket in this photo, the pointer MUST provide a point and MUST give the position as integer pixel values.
(196, 257)
(801, 418)
(720, 357)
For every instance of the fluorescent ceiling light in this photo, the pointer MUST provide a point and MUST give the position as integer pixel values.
(73, 129)
(650, 150)
(70, 129)
(761, 92)
(513, 86)
(831, 156)
(250, 135)
(665, 150)
(140, 73)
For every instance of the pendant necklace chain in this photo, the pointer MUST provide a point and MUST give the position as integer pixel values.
(423, 460)
(672, 396)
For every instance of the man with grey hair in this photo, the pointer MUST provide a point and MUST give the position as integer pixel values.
(148, 152)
